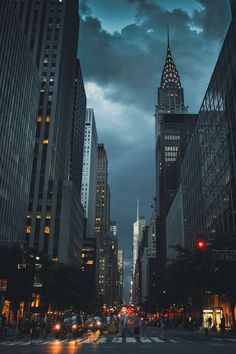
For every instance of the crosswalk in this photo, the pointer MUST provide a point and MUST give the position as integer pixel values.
(103, 340)
(88, 340)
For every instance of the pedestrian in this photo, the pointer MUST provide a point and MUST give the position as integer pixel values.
(143, 328)
(209, 322)
(125, 323)
(33, 330)
(222, 324)
(163, 326)
(0, 327)
(4, 326)
(121, 324)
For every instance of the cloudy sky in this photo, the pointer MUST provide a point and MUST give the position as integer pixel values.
(122, 50)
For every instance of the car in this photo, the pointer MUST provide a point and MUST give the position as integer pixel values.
(76, 326)
(59, 329)
(71, 325)
(99, 323)
(91, 323)
(133, 325)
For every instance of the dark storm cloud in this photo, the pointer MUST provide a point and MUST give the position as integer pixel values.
(131, 61)
(214, 17)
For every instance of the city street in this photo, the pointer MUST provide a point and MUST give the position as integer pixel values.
(177, 342)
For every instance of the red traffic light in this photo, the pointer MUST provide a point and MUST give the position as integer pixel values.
(201, 244)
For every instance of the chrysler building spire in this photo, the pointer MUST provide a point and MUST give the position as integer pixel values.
(170, 92)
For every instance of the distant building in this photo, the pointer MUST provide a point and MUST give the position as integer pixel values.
(102, 231)
(88, 264)
(120, 276)
(102, 214)
(147, 260)
(89, 179)
(19, 92)
(138, 227)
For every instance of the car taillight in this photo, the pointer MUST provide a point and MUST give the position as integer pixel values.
(130, 322)
(74, 326)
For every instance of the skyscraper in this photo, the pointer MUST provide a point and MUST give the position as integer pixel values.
(19, 92)
(173, 130)
(138, 227)
(102, 216)
(106, 242)
(120, 260)
(51, 29)
(89, 179)
(78, 129)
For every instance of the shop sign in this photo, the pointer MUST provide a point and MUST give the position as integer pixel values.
(224, 255)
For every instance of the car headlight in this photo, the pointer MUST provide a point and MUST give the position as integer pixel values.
(57, 326)
(99, 323)
(74, 326)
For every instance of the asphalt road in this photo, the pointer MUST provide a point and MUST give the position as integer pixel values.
(177, 342)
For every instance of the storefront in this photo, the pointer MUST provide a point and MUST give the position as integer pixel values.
(212, 317)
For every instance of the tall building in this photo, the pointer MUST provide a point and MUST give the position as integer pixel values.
(19, 91)
(88, 264)
(120, 276)
(173, 130)
(51, 29)
(105, 234)
(89, 179)
(147, 260)
(138, 228)
(208, 170)
(102, 215)
(78, 129)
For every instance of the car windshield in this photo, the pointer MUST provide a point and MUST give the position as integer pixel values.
(67, 320)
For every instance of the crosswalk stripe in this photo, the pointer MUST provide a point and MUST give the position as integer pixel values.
(145, 340)
(131, 340)
(173, 341)
(102, 340)
(157, 340)
(117, 340)
(24, 343)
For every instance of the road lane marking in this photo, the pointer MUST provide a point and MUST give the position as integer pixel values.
(145, 340)
(117, 340)
(157, 340)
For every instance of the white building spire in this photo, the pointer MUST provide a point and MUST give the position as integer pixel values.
(137, 209)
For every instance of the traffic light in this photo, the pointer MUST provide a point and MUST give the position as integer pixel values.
(201, 244)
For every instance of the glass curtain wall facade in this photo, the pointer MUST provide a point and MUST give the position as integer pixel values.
(214, 145)
(78, 128)
(89, 179)
(19, 91)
